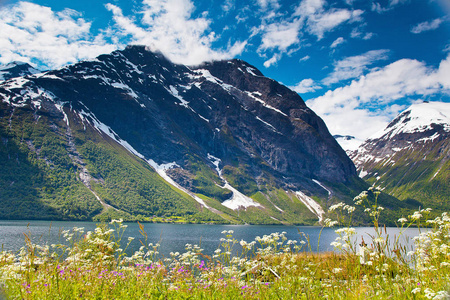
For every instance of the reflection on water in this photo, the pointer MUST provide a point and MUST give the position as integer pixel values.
(174, 237)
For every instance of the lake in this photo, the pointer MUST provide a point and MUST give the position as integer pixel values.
(174, 237)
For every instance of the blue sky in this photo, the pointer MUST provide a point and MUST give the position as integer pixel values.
(356, 63)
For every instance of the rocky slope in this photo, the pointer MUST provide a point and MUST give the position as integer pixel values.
(410, 158)
(132, 133)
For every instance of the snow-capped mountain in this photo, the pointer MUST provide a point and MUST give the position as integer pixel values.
(16, 69)
(410, 158)
(225, 141)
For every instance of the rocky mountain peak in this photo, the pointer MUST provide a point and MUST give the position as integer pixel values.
(410, 157)
(220, 129)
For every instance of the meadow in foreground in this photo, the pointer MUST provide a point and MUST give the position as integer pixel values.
(93, 265)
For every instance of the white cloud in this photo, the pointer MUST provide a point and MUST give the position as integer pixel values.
(307, 57)
(354, 66)
(376, 6)
(34, 33)
(167, 26)
(358, 32)
(305, 86)
(228, 5)
(446, 48)
(319, 20)
(31, 32)
(427, 26)
(265, 4)
(347, 109)
(273, 60)
(312, 16)
(280, 35)
(337, 42)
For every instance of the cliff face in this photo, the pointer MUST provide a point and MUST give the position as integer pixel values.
(220, 131)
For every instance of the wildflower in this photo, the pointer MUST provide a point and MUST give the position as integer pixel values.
(416, 216)
(336, 206)
(336, 244)
(442, 295)
(429, 293)
(330, 223)
(379, 240)
(336, 270)
(402, 220)
(116, 221)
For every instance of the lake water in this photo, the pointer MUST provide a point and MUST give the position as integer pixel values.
(174, 237)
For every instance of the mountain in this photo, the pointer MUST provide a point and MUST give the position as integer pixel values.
(132, 134)
(410, 158)
(16, 69)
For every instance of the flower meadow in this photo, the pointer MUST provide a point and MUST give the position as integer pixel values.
(95, 265)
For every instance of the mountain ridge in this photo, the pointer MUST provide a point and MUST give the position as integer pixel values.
(410, 157)
(216, 132)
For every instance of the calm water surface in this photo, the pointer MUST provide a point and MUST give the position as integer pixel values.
(174, 237)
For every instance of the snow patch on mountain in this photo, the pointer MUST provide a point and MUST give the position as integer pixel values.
(252, 95)
(238, 200)
(268, 124)
(122, 86)
(174, 92)
(312, 205)
(322, 186)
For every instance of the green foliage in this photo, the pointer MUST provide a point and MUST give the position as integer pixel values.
(38, 178)
(94, 265)
(285, 208)
(131, 185)
(240, 179)
(205, 180)
(422, 175)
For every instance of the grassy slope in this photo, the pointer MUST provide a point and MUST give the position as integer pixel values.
(418, 175)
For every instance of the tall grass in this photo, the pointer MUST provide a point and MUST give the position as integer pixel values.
(93, 265)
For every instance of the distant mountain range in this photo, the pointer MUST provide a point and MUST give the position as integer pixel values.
(132, 135)
(410, 158)
(16, 69)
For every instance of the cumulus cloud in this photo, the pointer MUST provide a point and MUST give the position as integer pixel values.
(337, 42)
(310, 16)
(280, 35)
(348, 109)
(305, 86)
(273, 60)
(34, 33)
(320, 20)
(167, 26)
(265, 4)
(427, 26)
(354, 66)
